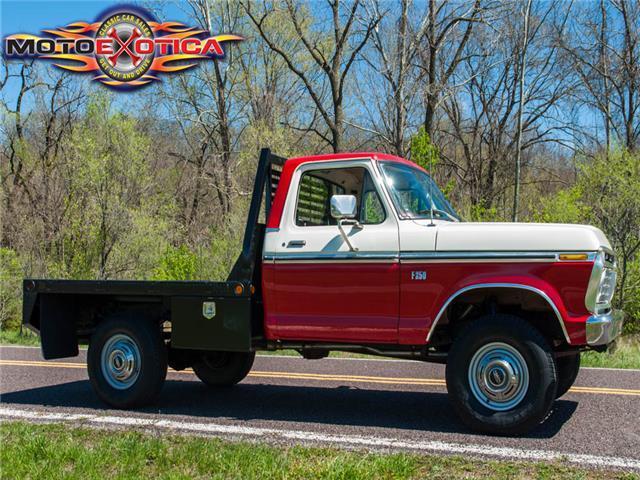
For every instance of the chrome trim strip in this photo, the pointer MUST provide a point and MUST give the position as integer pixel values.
(426, 257)
(499, 285)
(443, 255)
(339, 262)
(476, 260)
(491, 255)
(332, 257)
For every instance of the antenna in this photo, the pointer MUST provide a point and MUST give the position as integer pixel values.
(431, 188)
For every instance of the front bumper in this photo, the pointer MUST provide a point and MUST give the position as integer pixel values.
(603, 329)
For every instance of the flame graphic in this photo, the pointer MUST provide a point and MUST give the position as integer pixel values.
(90, 63)
(80, 63)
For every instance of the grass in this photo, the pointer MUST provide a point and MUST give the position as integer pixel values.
(13, 337)
(60, 451)
(626, 354)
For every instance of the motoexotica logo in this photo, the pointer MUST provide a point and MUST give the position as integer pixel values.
(124, 48)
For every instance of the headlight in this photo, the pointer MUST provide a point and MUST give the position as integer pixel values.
(602, 284)
(607, 287)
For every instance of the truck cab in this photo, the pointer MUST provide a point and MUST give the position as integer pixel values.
(359, 252)
(393, 265)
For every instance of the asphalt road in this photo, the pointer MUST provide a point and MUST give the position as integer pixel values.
(373, 404)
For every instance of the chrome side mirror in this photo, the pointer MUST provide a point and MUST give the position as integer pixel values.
(343, 206)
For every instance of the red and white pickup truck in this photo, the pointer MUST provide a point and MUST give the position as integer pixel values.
(361, 252)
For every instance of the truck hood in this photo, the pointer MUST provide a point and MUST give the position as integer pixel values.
(518, 237)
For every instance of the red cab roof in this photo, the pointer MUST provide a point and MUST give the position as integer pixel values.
(347, 156)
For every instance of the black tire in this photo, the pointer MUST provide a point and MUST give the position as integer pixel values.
(223, 369)
(567, 367)
(531, 405)
(145, 386)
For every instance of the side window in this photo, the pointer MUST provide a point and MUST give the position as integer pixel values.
(313, 200)
(318, 186)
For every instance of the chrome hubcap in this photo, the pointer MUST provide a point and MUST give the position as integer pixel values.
(498, 376)
(120, 361)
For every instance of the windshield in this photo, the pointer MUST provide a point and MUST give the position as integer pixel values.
(414, 193)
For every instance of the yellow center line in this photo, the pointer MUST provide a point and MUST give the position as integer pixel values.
(327, 377)
(339, 378)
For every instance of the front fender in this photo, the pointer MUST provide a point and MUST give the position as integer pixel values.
(555, 304)
(562, 285)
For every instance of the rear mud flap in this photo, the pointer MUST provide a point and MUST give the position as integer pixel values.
(57, 326)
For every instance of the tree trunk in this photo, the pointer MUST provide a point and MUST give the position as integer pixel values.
(431, 94)
(523, 67)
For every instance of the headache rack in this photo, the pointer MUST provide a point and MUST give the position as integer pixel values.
(264, 187)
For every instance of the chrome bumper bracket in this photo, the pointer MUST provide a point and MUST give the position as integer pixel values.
(603, 329)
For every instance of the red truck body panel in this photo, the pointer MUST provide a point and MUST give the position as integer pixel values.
(329, 301)
(307, 301)
(564, 283)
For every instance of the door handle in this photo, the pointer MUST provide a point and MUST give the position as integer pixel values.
(296, 243)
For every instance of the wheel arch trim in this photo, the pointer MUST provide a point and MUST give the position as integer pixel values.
(520, 286)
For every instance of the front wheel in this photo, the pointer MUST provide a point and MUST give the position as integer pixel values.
(127, 362)
(223, 369)
(501, 375)
(568, 367)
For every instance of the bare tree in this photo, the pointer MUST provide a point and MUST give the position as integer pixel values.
(206, 111)
(388, 88)
(270, 88)
(480, 135)
(332, 57)
(523, 68)
(448, 27)
(603, 51)
(36, 125)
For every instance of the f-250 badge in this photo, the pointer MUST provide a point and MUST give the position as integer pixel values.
(418, 275)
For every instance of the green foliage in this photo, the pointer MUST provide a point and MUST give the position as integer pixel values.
(224, 247)
(427, 155)
(116, 224)
(258, 135)
(423, 152)
(138, 251)
(108, 158)
(607, 195)
(176, 264)
(480, 213)
(631, 303)
(10, 289)
(261, 134)
(448, 188)
(566, 206)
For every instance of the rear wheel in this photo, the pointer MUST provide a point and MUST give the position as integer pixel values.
(127, 362)
(501, 375)
(223, 369)
(568, 367)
